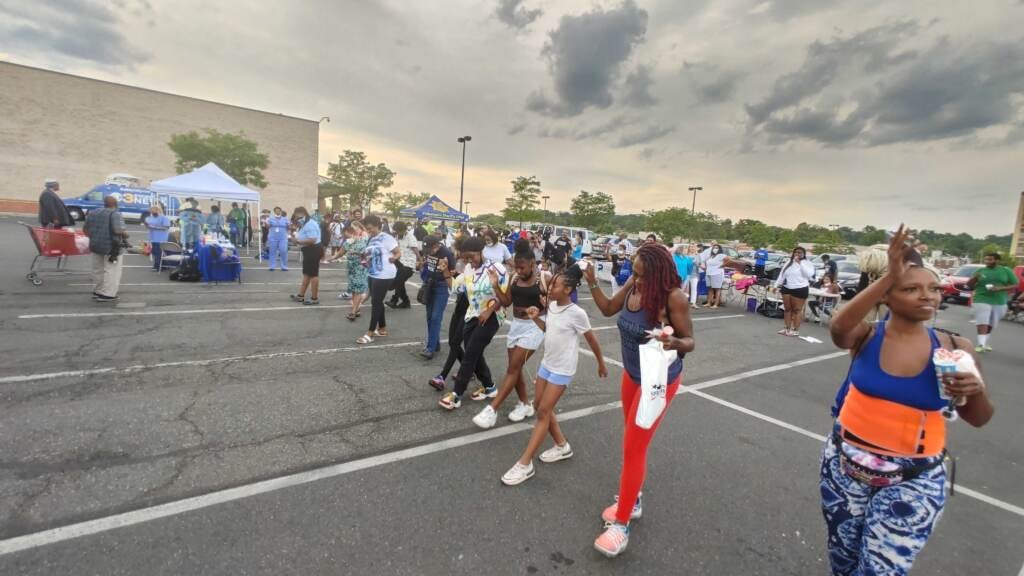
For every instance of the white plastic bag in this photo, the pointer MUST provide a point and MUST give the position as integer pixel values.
(82, 243)
(654, 364)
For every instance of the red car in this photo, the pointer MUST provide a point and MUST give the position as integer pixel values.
(954, 286)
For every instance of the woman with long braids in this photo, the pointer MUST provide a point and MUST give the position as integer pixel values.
(528, 289)
(794, 283)
(882, 479)
(651, 298)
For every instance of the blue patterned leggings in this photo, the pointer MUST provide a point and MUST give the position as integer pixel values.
(878, 530)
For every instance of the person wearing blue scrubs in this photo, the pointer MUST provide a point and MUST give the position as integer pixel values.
(191, 219)
(277, 238)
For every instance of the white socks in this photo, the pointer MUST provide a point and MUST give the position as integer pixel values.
(983, 339)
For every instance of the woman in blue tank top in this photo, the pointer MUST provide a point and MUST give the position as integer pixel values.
(651, 298)
(882, 479)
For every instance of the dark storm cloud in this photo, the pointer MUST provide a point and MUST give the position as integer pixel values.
(951, 90)
(709, 84)
(515, 128)
(77, 28)
(581, 131)
(787, 9)
(638, 88)
(585, 55)
(874, 49)
(515, 15)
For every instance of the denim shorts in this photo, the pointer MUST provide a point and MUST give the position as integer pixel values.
(556, 379)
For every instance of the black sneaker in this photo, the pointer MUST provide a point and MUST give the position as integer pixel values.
(102, 298)
(391, 304)
(425, 355)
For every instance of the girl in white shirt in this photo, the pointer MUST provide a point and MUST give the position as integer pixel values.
(564, 324)
(795, 284)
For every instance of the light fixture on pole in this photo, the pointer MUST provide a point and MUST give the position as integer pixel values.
(466, 211)
(462, 181)
(694, 189)
(545, 199)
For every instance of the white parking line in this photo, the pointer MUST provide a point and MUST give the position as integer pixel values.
(72, 531)
(269, 355)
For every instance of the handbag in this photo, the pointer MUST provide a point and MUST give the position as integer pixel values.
(423, 294)
(654, 364)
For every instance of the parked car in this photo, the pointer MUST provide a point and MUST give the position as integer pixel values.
(776, 260)
(602, 247)
(954, 286)
(848, 277)
(819, 266)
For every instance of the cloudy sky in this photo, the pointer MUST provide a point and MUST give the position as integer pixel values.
(827, 111)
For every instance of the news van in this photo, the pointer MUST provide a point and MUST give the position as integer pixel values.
(133, 200)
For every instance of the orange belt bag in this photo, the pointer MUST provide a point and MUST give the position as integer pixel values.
(890, 428)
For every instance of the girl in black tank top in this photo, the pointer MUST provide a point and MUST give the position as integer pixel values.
(528, 288)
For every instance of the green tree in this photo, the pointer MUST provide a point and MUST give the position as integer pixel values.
(786, 241)
(236, 155)
(522, 205)
(671, 223)
(360, 182)
(1006, 258)
(593, 211)
(395, 202)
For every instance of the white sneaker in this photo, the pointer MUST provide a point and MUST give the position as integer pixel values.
(556, 453)
(487, 418)
(518, 474)
(521, 412)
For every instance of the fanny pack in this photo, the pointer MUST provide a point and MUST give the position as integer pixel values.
(869, 469)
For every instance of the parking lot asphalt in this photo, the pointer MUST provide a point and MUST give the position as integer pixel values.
(223, 429)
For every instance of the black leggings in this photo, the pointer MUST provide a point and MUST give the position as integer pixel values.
(455, 328)
(378, 290)
(404, 273)
(476, 338)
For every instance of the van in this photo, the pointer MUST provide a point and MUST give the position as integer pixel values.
(133, 202)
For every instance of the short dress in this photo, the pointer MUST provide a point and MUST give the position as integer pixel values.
(357, 272)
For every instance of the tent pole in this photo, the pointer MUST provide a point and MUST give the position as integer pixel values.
(259, 215)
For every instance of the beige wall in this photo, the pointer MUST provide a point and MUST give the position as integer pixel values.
(1017, 248)
(79, 130)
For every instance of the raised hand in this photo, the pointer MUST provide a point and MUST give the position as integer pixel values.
(897, 252)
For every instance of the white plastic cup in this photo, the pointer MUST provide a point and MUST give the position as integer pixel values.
(943, 367)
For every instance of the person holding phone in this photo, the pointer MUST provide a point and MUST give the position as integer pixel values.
(882, 479)
(794, 283)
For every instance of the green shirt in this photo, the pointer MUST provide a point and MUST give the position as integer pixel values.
(997, 276)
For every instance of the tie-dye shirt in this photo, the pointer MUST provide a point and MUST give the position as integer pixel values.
(480, 290)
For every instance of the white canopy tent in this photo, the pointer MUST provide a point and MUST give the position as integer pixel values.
(210, 183)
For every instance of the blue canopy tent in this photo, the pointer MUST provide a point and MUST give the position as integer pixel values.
(434, 209)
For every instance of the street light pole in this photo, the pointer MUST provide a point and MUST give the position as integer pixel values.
(545, 199)
(462, 181)
(467, 207)
(694, 189)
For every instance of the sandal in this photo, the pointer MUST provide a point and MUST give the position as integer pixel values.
(364, 339)
(380, 333)
(312, 302)
(352, 317)
(297, 298)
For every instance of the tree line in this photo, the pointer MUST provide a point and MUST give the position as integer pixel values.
(355, 181)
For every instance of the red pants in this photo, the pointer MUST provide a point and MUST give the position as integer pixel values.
(635, 441)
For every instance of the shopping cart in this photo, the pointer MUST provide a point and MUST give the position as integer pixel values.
(55, 244)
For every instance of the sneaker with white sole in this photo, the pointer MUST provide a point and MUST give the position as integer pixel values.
(613, 540)
(521, 412)
(517, 474)
(487, 418)
(482, 393)
(638, 510)
(450, 401)
(556, 453)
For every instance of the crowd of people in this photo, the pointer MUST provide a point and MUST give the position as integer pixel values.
(883, 477)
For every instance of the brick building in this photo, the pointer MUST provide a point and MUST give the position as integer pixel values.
(79, 130)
